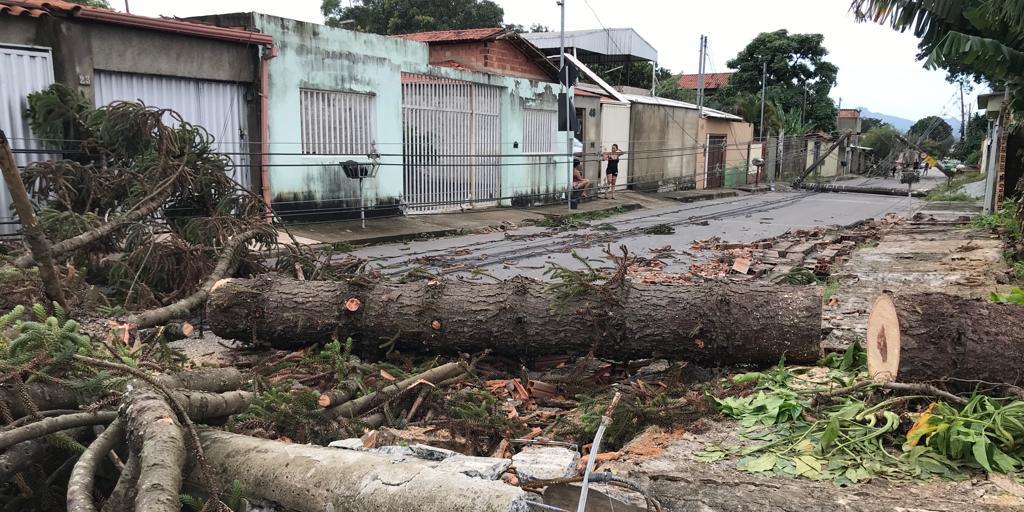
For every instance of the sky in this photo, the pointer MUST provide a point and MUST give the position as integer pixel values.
(877, 66)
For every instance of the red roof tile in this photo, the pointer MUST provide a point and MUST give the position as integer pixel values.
(36, 8)
(454, 36)
(711, 80)
(849, 112)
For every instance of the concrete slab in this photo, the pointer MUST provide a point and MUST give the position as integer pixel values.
(545, 463)
(690, 196)
(487, 468)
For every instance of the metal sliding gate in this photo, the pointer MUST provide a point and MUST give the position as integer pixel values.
(451, 143)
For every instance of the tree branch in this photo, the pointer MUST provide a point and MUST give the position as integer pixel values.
(39, 246)
(146, 206)
(79, 498)
(225, 265)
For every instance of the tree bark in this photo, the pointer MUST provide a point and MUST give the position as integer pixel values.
(79, 497)
(36, 240)
(353, 408)
(934, 337)
(155, 434)
(122, 498)
(48, 426)
(306, 478)
(709, 323)
(49, 396)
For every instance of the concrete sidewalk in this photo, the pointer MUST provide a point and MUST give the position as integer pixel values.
(408, 227)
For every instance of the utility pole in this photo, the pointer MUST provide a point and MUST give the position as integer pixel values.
(654, 78)
(963, 115)
(700, 104)
(564, 78)
(700, 77)
(764, 80)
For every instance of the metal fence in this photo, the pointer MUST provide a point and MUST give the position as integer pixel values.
(451, 142)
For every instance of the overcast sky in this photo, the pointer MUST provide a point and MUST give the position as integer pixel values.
(877, 68)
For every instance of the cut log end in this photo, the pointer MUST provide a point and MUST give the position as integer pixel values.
(883, 340)
(324, 400)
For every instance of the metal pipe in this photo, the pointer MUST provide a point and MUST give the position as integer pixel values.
(269, 52)
(594, 450)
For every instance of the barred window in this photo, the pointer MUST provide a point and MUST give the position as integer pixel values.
(337, 123)
(540, 128)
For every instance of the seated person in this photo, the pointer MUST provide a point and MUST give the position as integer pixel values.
(578, 181)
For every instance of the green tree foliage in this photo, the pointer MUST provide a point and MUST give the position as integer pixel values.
(102, 4)
(796, 63)
(969, 151)
(881, 139)
(980, 38)
(934, 134)
(867, 123)
(407, 16)
(522, 29)
(633, 74)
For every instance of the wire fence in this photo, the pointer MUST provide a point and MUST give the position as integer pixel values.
(702, 170)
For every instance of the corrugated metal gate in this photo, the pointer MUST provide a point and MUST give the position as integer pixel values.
(219, 107)
(451, 143)
(22, 71)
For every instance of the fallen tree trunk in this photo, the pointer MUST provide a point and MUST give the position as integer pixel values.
(306, 478)
(715, 322)
(936, 337)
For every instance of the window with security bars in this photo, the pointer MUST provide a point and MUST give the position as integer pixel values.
(540, 128)
(337, 123)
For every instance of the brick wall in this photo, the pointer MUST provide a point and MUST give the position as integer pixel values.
(496, 57)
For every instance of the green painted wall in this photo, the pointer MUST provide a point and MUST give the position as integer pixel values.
(319, 57)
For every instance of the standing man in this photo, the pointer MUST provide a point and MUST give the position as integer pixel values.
(612, 172)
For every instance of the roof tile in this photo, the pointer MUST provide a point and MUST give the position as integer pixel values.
(454, 36)
(711, 80)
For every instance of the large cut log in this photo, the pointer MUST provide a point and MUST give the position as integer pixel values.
(937, 337)
(713, 322)
(307, 478)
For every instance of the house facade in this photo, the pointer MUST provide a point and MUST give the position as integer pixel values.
(209, 75)
(442, 138)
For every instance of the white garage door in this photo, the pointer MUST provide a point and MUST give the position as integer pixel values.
(22, 71)
(219, 107)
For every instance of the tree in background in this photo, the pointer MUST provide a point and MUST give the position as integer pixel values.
(969, 151)
(983, 39)
(934, 134)
(631, 74)
(867, 123)
(407, 16)
(520, 29)
(798, 76)
(102, 4)
(881, 139)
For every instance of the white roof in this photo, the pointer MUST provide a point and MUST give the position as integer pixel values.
(612, 42)
(665, 102)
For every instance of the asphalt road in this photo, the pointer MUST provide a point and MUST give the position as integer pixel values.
(528, 250)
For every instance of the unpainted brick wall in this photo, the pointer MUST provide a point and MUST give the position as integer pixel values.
(498, 57)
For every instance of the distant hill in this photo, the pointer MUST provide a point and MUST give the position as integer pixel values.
(902, 124)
